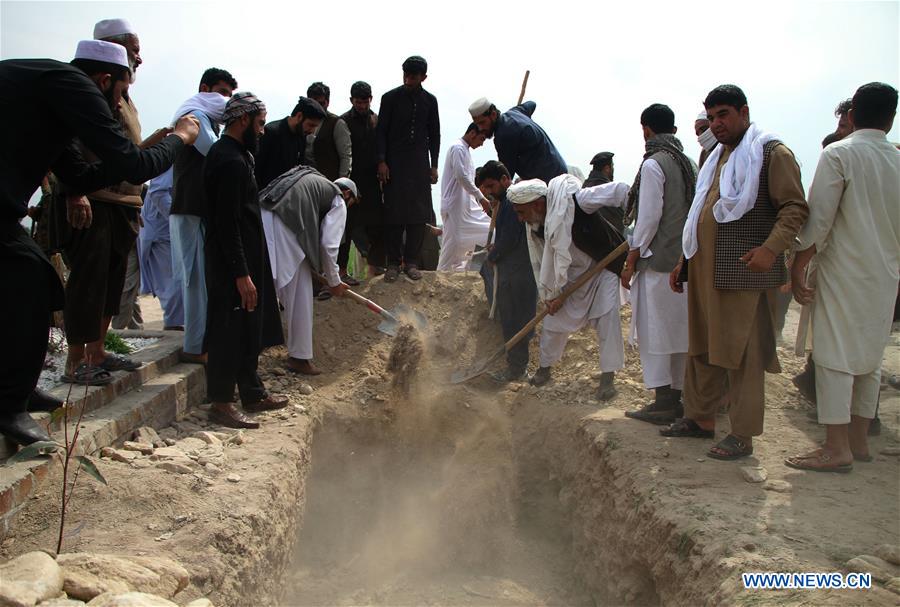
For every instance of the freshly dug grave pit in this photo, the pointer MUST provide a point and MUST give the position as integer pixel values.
(428, 508)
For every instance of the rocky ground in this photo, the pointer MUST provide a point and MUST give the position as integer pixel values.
(228, 505)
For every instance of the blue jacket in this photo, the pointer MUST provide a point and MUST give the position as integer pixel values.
(524, 147)
(510, 243)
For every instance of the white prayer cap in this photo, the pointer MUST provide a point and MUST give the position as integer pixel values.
(702, 116)
(112, 27)
(348, 184)
(526, 191)
(100, 50)
(479, 107)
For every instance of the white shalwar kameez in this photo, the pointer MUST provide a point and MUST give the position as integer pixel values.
(558, 262)
(465, 223)
(659, 316)
(854, 222)
(293, 274)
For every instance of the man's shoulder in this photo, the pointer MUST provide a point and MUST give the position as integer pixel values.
(392, 93)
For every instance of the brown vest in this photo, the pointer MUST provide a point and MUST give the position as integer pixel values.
(324, 151)
(124, 193)
(735, 238)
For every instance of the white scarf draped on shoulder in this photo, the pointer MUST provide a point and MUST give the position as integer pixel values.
(551, 261)
(211, 104)
(738, 184)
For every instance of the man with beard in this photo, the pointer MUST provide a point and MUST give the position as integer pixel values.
(565, 239)
(242, 317)
(602, 169)
(748, 207)
(409, 132)
(365, 219)
(508, 257)
(660, 196)
(283, 145)
(463, 207)
(303, 215)
(175, 207)
(63, 101)
(522, 145)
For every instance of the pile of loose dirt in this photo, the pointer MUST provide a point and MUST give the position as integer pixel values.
(406, 354)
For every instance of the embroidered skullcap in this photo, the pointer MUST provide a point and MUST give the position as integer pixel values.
(361, 90)
(602, 159)
(479, 107)
(242, 103)
(347, 184)
(415, 65)
(105, 52)
(702, 116)
(112, 27)
(526, 191)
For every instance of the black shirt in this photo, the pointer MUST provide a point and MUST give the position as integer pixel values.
(48, 103)
(279, 151)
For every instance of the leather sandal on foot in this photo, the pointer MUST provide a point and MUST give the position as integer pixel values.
(686, 428)
(817, 461)
(87, 375)
(226, 414)
(412, 272)
(392, 274)
(349, 281)
(117, 362)
(731, 447)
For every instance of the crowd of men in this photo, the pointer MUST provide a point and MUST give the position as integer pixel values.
(244, 221)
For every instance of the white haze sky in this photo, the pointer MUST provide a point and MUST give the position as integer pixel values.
(594, 65)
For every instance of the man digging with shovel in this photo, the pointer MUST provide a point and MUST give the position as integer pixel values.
(565, 237)
(303, 215)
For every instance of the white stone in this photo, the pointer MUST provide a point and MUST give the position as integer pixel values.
(233, 478)
(200, 603)
(305, 389)
(62, 603)
(130, 599)
(754, 474)
(29, 579)
(207, 437)
(89, 575)
(777, 486)
(168, 453)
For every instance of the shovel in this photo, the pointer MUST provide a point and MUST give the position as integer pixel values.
(477, 258)
(391, 321)
(480, 367)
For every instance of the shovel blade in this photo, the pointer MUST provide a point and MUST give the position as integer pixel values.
(477, 259)
(406, 314)
(389, 327)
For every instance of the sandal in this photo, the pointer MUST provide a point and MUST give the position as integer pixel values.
(413, 272)
(733, 447)
(392, 274)
(117, 362)
(349, 281)
(87, 375)
(686, 428)
(817, 461)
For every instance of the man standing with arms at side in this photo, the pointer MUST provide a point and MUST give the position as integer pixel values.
(283, 144)
(661, 196)
(854, 233)
(747, 210)
(366, 217)
(408, 136)
(328, 150)
(242, 303)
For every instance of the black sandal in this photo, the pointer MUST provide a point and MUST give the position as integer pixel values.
(87, 375)
(733, 447)
(117, 362)
(686, 428)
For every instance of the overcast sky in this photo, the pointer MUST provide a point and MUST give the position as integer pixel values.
(594, 66)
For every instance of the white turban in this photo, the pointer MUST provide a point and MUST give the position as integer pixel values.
(479, 107)
(348, 184)
(526, 191)
(100, 50)
(112, 27)
(702, 116)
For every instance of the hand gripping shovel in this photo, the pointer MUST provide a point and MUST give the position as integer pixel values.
(480, 367)
(479, 255)
(390, 320)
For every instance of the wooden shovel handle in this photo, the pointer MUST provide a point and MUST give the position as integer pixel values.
(358, 298)
(579, 282)
(495, 208)
(524, 84)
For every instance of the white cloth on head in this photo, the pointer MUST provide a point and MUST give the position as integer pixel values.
(465, 222)
(293, 275)
(479, 107)
(575, 172)
(112, 27)
(525, 191)
(854, 223)
(702, 116)
(347, 183)
(100, 50)
(738, 184)
(211, 104)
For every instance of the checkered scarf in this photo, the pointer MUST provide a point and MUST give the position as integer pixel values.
(242, 103)
(668, 144)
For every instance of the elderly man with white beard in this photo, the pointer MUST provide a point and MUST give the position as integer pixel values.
(566, 236)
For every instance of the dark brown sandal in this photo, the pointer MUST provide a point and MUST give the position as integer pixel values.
(733, 448)
(686, 428)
